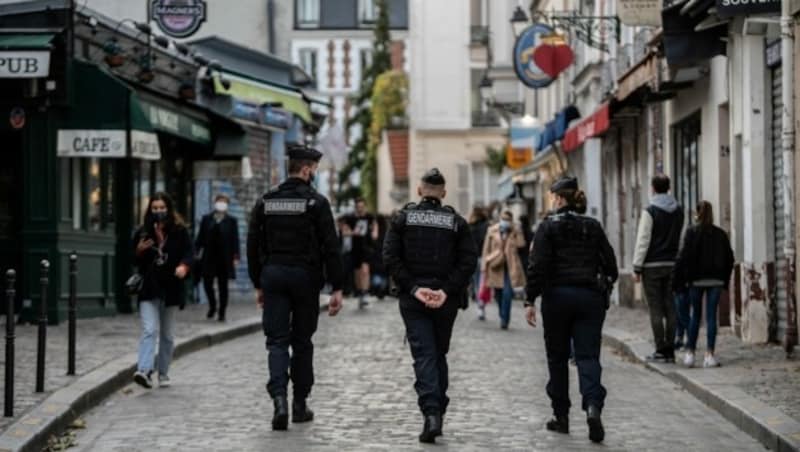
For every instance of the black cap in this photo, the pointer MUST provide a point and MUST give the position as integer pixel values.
(565, 183)
(433, 177)
(303, 152)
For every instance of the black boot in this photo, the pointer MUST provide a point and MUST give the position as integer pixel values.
(559, 424)
(301, 412)
(431, 429)
(280, 420)
(596, 431)
(211, 312)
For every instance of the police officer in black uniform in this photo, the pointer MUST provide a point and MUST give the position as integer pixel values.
(573, 267)
(430, 253)
(291, 239)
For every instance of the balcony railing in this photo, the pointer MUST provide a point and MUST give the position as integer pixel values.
(485, 119)
(479, 34)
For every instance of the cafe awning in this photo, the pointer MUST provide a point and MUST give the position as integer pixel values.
(262, 93)
(595, 124)
(26, 41)
(103, 110)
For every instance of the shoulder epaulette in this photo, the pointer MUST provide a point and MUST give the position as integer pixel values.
(449, 209)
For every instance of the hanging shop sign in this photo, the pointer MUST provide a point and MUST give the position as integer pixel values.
(730, 8)
(17, 118)
(596, 124)
(178, 18)
(144, 145)
(24, 64)
(91, 143)
(525, 65)
(644, 13)
(553, 55)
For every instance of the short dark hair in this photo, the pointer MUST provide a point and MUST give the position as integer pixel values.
(660, 183)
(222, 197)
(295, 165)
(360, 200)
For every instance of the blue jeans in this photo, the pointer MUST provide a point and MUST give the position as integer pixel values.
(156, 316)
(476, 283)
(682, 309)
(712, 300)
(503, 297)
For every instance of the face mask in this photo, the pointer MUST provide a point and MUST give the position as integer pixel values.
(221, 206)
(160, 217)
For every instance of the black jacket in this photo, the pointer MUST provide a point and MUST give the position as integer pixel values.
(479, 233)
(317, 242)
(569, 250)
(452, 263)
(228, 249)
(706, 254)
(159, 281)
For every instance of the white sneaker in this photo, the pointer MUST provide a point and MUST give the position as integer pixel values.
(143, 379)
(163, 381)
(710, 361)
(688, 359)
(481, 313)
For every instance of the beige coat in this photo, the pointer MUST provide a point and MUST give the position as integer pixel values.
(497, 251)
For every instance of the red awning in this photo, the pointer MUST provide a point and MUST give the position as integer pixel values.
(589, 127)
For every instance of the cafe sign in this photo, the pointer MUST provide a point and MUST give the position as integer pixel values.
(24, 64)
(91, 143)
(178, 18)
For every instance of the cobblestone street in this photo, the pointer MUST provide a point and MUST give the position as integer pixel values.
(364, 398)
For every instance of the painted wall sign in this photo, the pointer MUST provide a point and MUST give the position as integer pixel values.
(730, 8)
(528, 72)
(639, 12)
(91, 143)
(17, 118)
(178, 18)
(24, 64)
(274, 117)
(246, 111)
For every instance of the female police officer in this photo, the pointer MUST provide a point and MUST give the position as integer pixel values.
(573, 267)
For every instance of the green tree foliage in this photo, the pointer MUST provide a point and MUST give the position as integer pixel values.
(359, 154)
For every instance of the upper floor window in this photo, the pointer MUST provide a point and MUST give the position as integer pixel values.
(365, 57)
(307, 13)
(367, 12)
(308, 61)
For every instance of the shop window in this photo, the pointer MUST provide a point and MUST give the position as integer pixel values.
(367, 12)
(95, 196)
(307, 13)
(76, 183)
(87, 201)
(463, 187)
(686, 149)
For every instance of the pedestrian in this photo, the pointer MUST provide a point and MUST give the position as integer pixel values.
(291, 248)
(217, 244)
(379, 279)
(163, 255)
(478, 226)
(703, 268)
(501, 264)
(657, 243)
(572, 268)
(363, 229)
(430, 253)
(346, 244)
(527, 233)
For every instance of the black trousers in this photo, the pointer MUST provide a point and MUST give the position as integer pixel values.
(221, 275)
(428, 332)
(573, 315)
(291, 313)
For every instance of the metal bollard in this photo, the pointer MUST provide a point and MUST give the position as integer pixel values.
(73, 307)
(11, 277)
(42, 344)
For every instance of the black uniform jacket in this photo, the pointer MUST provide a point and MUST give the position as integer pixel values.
(570, 250)
(325, 261)
(458, 258)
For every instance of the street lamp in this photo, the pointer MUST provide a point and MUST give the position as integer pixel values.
(486, 88)
(519, 21)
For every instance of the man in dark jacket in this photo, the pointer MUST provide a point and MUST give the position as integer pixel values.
(292, 247)
(218, 247)
(657, 243)
(430, 253)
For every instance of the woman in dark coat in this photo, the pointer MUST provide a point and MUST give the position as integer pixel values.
(163, 250)
(218, 245)
(704, 267)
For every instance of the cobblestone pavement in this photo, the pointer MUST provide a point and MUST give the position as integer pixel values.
(364, 398)
(99, 340)
(762, 371)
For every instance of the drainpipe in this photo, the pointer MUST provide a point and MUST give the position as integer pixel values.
(271, 25)
(787, 135)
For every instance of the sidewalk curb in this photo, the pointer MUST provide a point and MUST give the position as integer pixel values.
(31, 431)
(766, 424)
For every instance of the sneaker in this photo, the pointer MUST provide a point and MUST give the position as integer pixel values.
(657, 356)
(710, 361)
(688, 359)
(481, 313)
(362, 303)
(143, 379)
(163, 381)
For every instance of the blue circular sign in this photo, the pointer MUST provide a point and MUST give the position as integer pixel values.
(527, 71)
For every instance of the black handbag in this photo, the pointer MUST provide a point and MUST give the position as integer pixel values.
(134, 284)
